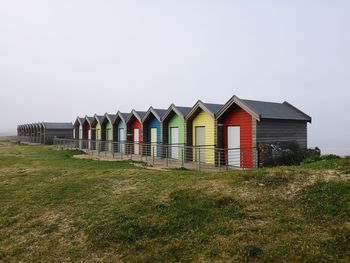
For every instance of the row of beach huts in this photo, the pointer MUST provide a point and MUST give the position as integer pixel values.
(236, 128)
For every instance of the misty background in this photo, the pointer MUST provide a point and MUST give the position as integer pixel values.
(62, 59)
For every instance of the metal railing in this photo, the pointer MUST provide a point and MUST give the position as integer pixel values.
(167, 155)
(39, 139)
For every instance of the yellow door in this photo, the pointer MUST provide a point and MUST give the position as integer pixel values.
(154, 141)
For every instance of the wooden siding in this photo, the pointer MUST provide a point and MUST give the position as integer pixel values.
(254, 121)
(203, 119)
(270, 131)
(177, 122)
(254, 144)
(152, 122)
(98, 132)
(121, 125)
(77, 132)
(80, 131)
(236, 116)
(109, 127)
(134, 124)
(50, 134)
(86, 131)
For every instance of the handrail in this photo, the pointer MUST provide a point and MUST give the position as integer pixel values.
(173, 155)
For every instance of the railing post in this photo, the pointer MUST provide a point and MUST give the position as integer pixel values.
(182, 157)
(166, 156)
(141, 151)
(199, 159)
(219, 161)
(152, 155)
(112, 148)
(226, 159)
(242, 159)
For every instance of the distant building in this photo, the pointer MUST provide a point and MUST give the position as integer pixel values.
(45, 132)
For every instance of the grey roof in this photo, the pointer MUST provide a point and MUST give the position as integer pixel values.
(80, 120)
(160, 112)
(121, 115)
(214, 108)
(99, 118)
(90, 119)
(141, 113)
(58, 125)
(273, 110)
(112, 117)
(184, 110)
(125, 115)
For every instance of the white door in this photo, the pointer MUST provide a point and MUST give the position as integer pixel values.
(234, 145)
(89, 138)
(153, 141)
(136, 141)
(122, 140)
(200, 143)
(80, 137)
(174, 137)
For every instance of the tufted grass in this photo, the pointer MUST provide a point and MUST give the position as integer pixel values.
(55, 208)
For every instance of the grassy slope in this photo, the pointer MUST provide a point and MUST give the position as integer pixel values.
(58, 209)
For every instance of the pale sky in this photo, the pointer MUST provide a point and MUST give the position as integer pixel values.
(61, 59)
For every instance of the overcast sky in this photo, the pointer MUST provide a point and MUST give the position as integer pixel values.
(60, 59)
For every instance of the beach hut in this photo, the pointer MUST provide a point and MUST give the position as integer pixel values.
(96, 135)
(201, 131)
(41, 131)
(107, 130)
(37, 132)
(78, 131)
(134, 130)
(174, 130)
(78, 128)
(96, 127)
(27, 131)
(20, 130)
(243, 124)
(32, 132)
(119, 133)
(87, 127)
(51, 130)
(152, 131)
(87, 132)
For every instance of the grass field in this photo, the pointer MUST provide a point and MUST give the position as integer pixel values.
(55, 208)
